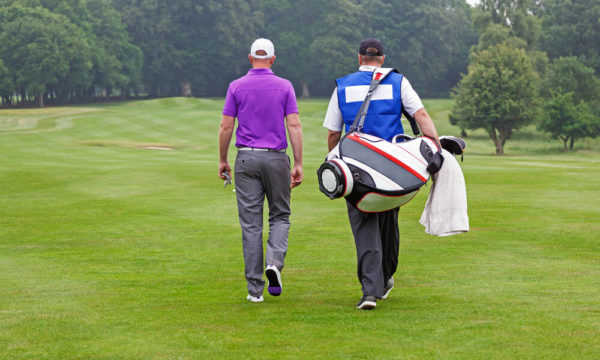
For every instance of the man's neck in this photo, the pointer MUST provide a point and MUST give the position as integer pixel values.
(367, 67)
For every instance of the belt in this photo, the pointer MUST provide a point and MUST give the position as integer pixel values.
(259, 149)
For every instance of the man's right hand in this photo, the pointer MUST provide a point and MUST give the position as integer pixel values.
(224, 168)
(297, 175)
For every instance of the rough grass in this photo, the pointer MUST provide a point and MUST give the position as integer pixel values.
(111, 250)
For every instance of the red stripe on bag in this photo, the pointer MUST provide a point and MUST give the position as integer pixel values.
(356, 138)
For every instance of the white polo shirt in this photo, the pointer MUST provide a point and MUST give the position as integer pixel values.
(411, 102)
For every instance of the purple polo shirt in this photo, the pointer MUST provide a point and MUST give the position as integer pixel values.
(260, 100)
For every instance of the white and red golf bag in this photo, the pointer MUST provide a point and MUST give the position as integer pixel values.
(376, 175)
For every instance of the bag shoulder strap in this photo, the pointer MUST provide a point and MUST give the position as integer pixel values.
(378, 75)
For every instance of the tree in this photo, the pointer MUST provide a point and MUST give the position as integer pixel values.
(98, 54)
(116, 62)
(428, 41)
(571, 28)
(148, 23)
(516, 15)
(498, 94)
(572, 108)
(496, 34)
(6, 87)
(568, 74)
(190, 45)
(568, 120)
(41, 49)
(316, 41)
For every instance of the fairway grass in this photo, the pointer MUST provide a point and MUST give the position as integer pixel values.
(119, 241)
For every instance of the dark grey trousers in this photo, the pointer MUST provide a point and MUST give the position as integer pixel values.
(377, 241)
(260, 174)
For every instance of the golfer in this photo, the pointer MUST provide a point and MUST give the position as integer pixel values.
(376, 235)
(265, 106)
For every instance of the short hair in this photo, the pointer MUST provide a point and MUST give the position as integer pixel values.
(371, 59)
(260, 53)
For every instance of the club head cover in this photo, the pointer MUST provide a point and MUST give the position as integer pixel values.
(435, 163)
(454, 145)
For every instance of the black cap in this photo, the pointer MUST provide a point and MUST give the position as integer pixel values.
(371, 44)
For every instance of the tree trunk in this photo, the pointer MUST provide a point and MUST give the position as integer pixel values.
(498, 142)
(41, 99)
(571, 143)
(305, 91)
(499, 149)
(186, 88)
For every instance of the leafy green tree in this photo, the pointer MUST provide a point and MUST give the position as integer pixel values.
(428, 40)
(6, 87)
(571, 28)
(496, 34)
(149, 23)
(571, 109)
(516, 15)
(236, 24)
(41, 48)
(111, 61)
(116, 62)
(189, 45)
(568, 74)
(568, 120)
(498, 94)
(315, 41)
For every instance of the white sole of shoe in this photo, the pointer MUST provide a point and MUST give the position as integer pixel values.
(387, 293)
(274, 277)
(367, 305)
(254, 299)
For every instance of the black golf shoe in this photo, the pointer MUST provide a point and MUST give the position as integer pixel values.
(367, 302)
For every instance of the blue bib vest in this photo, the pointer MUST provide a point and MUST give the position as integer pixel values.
(384, 115)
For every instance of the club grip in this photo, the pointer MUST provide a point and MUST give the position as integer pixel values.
(413, 123)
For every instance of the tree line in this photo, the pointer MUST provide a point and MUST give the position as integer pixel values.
(66, 51)
(508, 63)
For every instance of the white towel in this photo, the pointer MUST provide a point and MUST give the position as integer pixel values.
(445, 212)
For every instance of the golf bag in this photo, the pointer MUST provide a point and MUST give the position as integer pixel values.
(376, 175)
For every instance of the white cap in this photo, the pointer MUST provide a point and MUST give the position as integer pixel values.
(262, 44)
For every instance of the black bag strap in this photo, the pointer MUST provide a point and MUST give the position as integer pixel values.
(378, 75)
(412, 122)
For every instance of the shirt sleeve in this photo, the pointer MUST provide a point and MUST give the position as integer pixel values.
(410, 99)
(291, 106)
(230, 107)
(334, 120)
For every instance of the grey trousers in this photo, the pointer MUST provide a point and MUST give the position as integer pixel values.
(259, 174)
(377, 241)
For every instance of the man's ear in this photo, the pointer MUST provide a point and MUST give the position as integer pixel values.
(250, 58)
(272, 60)
(382, 60)
(359, 60)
